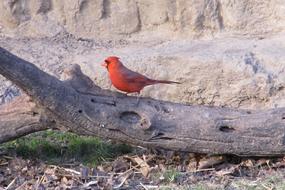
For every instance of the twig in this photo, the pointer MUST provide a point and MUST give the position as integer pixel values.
(203, 170)
(39, 181)
(121, 173)
(11, 183)
(131, 168)
(143, 186)
(72, 171)
(4, 164)
(21, 186)
(267, 188)
(90, 183)
(98, 176)
(70, 164)
(147, 187)
(8, 157)
(124, 179)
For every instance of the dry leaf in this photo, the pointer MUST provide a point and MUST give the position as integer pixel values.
(64, 180)
(120, 165)
(210, 162)
(262, 162)
(49, 171)
(226, 171)
(247, 163)
(144, 167)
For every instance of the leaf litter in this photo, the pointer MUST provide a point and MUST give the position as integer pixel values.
(138, 171)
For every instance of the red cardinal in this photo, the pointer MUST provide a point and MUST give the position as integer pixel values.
(126, 80)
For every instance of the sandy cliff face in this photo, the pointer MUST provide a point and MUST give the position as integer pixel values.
(226, 52)
(119, 18)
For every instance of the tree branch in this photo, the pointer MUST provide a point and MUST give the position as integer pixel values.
(21, 117)
(84, 108)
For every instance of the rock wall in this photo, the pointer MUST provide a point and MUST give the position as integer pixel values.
(120, 18)
(234, 72)
(226, 52)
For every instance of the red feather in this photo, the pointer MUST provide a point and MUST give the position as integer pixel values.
(127, 80)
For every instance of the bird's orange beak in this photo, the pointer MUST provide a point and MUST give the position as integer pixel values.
(104, 64)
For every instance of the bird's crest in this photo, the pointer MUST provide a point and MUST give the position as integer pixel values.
(112, 59)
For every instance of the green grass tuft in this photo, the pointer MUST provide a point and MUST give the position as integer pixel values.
(61, 147)
(171, 176)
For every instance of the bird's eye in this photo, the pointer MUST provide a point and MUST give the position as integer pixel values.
(106, 61)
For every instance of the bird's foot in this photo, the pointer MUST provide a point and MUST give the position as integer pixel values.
(138, 99)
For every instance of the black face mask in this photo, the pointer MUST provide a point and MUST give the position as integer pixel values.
(107, 64)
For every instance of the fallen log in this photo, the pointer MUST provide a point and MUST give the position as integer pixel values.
(80, 106)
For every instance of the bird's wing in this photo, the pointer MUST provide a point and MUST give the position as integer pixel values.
(134, 77)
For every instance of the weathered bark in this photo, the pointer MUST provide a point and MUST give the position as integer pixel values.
(82, 107)
(20, 117)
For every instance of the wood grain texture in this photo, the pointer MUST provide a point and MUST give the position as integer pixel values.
(84, 108)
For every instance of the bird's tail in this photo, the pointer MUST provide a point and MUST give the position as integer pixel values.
(165, 82)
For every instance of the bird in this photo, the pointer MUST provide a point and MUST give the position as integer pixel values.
(127, 80)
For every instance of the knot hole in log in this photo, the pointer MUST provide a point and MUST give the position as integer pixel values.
(224, 125)
(130, 117)
(226, 128)
(135, 119)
